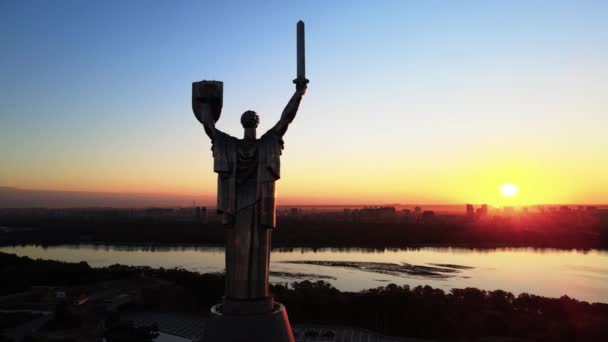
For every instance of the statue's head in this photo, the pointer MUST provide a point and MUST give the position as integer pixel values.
(250, 119)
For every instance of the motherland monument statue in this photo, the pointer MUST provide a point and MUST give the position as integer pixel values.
(247, 171)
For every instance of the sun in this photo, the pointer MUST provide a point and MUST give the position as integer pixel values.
(509, 189)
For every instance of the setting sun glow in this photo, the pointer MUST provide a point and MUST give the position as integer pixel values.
(509, 190)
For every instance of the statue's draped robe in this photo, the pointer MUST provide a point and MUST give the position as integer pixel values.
(247, 171)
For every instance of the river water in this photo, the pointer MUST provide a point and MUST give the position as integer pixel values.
(547, 272)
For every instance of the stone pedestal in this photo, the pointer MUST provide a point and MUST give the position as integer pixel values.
(269, 326)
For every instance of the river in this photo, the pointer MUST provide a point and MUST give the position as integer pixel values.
(547, 272)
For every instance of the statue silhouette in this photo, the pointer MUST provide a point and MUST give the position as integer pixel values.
(247, 171)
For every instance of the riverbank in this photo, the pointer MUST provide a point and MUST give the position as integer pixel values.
(553, 273)
(453, 231)
(420, 311)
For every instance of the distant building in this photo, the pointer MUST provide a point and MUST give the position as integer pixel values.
(377, 214)
(158, 212)
(482, 211)
(470, 211)
(603, 214)
(428, 214)
(201, 214)
(348, 214)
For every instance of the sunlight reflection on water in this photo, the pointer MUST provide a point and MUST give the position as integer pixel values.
(580, 274)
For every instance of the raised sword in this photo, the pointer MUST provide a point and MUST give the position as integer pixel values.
(301, 74)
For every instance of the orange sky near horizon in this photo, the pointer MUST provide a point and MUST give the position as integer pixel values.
(376, 179)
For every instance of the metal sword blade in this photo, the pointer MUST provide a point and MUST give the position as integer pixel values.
(301, 58)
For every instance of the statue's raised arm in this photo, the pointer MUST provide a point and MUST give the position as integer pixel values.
(290, 111)
(207, 100)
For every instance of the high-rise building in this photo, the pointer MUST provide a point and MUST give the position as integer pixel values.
(201, 214)
(483, 210)
(378, 213)
(428, 214)
(470, 211)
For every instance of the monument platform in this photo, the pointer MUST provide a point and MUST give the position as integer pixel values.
(270, 326)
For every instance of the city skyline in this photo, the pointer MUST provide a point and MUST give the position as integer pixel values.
(446, 102)
(31, 198)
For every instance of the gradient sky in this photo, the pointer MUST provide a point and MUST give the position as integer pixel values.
(409, 101)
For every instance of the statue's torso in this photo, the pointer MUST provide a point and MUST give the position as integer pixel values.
(247, 171)
(247, 160)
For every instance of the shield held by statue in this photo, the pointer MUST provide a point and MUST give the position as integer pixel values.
(207, 92)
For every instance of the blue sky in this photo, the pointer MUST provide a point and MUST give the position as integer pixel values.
(95, 95)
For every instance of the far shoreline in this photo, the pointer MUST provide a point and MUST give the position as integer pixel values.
(288, 247)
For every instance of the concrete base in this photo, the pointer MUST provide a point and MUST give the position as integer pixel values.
(264, 327)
